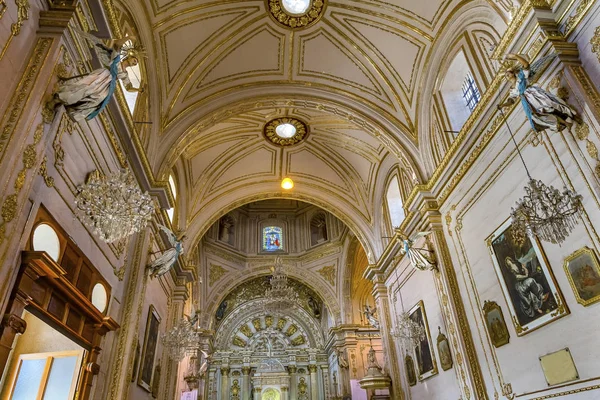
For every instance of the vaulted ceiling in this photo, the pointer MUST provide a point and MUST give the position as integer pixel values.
(221, 69)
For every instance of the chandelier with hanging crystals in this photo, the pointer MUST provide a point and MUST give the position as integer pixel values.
(279, 297)
(179, 340)
(113, 206)
(408, 331)
(546, 212)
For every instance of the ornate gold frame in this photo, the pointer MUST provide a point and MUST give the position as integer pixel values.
(562, 309)
(272, 137)
(302, 21)
(489, 306)
(151, 312)
(420, 305)
(576, 254)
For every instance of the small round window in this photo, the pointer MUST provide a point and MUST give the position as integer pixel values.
(99, 297)
(46, 239)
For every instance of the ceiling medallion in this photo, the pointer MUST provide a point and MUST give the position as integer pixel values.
(296, 14)
(285, 131)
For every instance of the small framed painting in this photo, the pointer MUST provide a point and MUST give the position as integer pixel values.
(149, 349)
(494, 322)
(426, 365)
(411, 375)
(443, 346)
(527, 283)
(583, 270)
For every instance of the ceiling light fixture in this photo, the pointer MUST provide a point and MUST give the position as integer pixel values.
(296, 6)
(287, 183)
(285, 131)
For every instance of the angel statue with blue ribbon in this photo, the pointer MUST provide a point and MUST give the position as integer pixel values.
(85, 96)
(419, 258)
(163, 263)
(544, 110)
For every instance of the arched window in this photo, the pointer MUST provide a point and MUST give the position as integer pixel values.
(171, 211)
(272, 238)
(318, 229)
(459, 91)
(394, 203)
(46, 239)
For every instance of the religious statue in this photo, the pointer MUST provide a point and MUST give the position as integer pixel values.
(162, 264)
(419, 258)
(342, 360)
(314, 306)
(371, 359)
(370, 316)
(204, 365)
(221, 310)
(84, 96)
(543, 109)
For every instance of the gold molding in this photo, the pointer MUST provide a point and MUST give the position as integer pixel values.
(278, 14)
(269, 131)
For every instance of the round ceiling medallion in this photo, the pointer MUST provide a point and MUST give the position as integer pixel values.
(285, 131)
(296, 14)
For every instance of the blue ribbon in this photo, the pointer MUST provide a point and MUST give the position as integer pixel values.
(522, 87)
(114, 70)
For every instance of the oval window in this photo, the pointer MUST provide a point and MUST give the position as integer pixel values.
(99, 297)
(46, 239)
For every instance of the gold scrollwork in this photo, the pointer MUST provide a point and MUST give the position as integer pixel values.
(582, 132)
(22, 16)
(310, 17)
(270, 131)
(48, 180)
(595, 42)
(2, 8)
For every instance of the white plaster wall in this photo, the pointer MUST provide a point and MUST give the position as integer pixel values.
(406, 287)
(481, 203)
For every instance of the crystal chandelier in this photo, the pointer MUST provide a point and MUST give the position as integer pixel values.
(180, 339)
(279, 297)
(113, 206)
(408, 331)
(544, 211)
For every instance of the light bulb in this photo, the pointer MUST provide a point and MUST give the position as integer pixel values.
(287, 183)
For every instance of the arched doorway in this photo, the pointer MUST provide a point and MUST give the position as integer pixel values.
(271, 394)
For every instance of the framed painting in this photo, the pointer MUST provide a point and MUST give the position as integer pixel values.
(443, 346)
(149, 349)
(527, 283)
(495, 324)
(411, 375)
(583, 270)
(426, 365)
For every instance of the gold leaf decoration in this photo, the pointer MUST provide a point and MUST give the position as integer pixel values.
(280, 324)
(269, 321)
(328, 273)
(310, 17)
(257, 324)
(291, 330)
(238, 341)
(245, 329)
(216, 272)
(300, 340)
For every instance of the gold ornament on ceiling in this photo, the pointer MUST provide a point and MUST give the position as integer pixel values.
(282, 16)
(272, 135)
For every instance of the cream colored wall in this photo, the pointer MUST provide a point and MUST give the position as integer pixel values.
(407, 287)
(482, 201)
(38, 338)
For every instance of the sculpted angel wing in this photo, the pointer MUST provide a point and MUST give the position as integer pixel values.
(102, 51)
(170, 234)
(419, 235)
(540, 64)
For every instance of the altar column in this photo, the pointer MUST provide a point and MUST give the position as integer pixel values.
(257, 392)
(326, 383)
(246, 395)
(225, 383)
(314, 383)
(293, 382)
(284, 393)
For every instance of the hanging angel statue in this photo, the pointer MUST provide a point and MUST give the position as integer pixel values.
(163, 263)
(370, 316)
(204, 365)
(84, 96)
(419, 258)
(543, 109)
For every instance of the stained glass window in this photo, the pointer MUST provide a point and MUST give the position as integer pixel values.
(272, 239)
